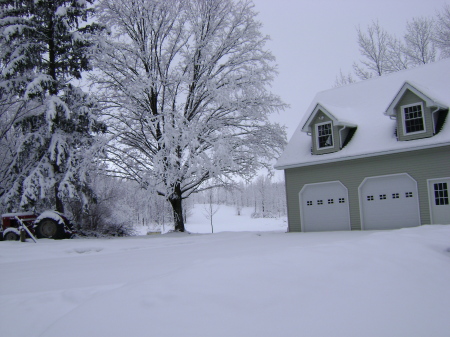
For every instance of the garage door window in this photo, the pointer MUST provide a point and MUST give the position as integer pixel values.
(441, 194)
(342, 200)
(409, 194)
(395, 195)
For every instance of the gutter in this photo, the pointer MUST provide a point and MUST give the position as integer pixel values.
(375, 154)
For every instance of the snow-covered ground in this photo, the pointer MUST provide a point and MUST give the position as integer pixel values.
(255, 283)
(225, 219)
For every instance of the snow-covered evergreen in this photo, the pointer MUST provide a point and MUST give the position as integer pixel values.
(44, 48)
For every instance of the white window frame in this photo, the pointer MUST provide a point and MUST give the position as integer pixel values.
(431, 195)
(317, 136)
(402, 110)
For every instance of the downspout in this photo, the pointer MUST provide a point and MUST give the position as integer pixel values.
(433, 119)
(341, 140)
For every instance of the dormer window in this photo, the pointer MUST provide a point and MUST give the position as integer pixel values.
(418, 115)
(413, 118)
(324, 135)
(328, 133)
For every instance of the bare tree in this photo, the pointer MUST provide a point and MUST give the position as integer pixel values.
(187, 83)
(384, 53)
(420, 48)
(442, 32)
(211, 207)
(373, 46)
(397, 58)
(343, 79)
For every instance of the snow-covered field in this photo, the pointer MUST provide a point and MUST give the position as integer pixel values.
(263, 282)
(225, 220)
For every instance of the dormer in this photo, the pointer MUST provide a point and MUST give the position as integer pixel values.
(417, 114)
(328, 133)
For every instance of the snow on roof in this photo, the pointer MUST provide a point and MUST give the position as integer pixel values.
(364, 104)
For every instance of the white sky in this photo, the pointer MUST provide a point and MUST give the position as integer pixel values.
(313, 40)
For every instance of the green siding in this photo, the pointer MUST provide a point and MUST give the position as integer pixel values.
(411, 98)
(420, 165)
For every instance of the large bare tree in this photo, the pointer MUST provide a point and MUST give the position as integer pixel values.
(187, 87)
(420, 47)
(425, 41)
(373, 46)
(442, 33)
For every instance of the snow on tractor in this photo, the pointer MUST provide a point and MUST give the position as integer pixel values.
(50, 224)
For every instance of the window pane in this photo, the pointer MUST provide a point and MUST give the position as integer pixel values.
(413, 119)
(325, 137)
(441, 194)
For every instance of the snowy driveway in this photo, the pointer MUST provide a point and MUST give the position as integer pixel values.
(392, 283)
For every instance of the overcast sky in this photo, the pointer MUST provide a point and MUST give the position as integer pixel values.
(313, 40)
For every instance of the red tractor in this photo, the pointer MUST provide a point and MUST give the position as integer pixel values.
(49, 224)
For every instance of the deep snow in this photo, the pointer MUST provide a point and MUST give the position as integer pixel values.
(259, 283)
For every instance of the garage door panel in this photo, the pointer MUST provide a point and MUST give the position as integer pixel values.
(389, 202)
(324, 207)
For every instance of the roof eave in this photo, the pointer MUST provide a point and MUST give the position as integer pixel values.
(366, 155)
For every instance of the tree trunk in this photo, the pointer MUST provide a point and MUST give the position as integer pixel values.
(177, 208)
(58, 202)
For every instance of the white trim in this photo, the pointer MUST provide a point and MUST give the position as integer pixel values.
(302, 222)
(431, 200)
(307, 126)
(318, 148)
(366, 155)
(319, 107)
(360, 199)
(402, 114)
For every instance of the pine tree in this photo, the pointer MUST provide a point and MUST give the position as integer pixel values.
(45, 47)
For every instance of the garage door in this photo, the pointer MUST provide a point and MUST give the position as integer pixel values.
(389, 202)
(438, 193)
(324, 207)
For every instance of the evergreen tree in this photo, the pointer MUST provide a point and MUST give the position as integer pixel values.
(45, 47)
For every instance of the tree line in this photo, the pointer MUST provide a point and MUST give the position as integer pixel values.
(121, 205)
(426, 40)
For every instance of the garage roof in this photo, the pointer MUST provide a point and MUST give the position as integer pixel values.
(366, 105)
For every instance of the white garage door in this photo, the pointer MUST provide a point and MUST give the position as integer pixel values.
(324, 207)
(438, 191)
(389, 202)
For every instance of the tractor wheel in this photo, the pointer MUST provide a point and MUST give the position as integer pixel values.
(11, 236)
(49, 229)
